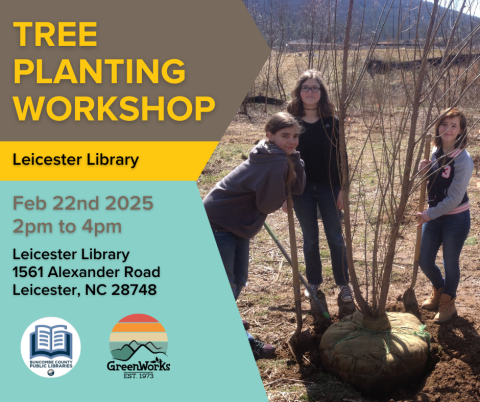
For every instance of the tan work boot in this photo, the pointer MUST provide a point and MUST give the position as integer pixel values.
(434, 300)
(446, 309)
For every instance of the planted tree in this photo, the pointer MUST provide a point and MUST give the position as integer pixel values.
(398, 103)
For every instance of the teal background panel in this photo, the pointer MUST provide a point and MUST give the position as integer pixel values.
(208, 351)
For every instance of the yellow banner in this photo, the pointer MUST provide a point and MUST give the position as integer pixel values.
(104, 160)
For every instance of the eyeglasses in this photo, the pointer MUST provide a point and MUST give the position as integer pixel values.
(313, 89)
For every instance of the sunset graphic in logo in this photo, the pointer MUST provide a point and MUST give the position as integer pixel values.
(135, 332)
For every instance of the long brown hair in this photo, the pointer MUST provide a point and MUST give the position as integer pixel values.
(278, 122)
(462, 138)
(325, 107)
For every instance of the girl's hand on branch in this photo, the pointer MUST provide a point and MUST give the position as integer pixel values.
(340, 200)
(423, 164)
(284, 206)
(421, 218)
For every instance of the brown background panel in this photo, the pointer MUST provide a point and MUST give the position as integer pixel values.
(221, 47)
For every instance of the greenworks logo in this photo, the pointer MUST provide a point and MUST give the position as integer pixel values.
(138, 333)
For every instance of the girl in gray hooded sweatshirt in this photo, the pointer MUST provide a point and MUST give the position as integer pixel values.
(239, 204)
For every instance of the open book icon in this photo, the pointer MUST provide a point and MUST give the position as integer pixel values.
(50, 342)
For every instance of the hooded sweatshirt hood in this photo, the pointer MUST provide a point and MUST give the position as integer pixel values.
(241, 201)
(265, 152)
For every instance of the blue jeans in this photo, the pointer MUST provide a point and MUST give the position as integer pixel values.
(451, 231)
(305, 206)
(234, 251)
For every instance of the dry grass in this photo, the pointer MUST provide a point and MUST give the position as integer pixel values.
(267, 302)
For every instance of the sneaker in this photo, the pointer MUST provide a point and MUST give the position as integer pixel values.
(446, 309)
(346, 294)
(261, 350)
(311, 289)
(246, 324)
(434, 300)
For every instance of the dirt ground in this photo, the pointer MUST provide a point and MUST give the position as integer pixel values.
(268, 304)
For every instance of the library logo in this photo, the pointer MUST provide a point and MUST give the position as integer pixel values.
(50, 347)
(142, 341)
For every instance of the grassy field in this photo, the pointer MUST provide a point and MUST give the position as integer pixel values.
(267, 302)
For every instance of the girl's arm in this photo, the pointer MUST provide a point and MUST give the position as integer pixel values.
(338, 162)
(340, 200)
(270, 193)
(456, 191)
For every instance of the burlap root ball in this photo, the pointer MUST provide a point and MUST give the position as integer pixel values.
(377, 356)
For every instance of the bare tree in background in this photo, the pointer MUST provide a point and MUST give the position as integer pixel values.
(273, 18)
(269, 30)
(283, 18)
(310, 17)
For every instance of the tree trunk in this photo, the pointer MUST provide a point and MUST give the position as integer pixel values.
(343, 157)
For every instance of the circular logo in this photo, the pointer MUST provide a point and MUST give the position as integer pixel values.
(135, 332)
(50, 346)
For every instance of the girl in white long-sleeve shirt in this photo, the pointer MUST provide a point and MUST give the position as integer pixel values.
(447, 220)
